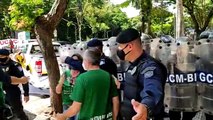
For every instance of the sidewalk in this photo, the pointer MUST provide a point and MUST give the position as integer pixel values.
(38, 108)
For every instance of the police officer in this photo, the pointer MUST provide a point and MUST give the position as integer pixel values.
(106, 63)
(6, 79)
(144, 82)
(13, 93)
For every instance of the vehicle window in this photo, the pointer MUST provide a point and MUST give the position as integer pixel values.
(36, 49)
(56, 48)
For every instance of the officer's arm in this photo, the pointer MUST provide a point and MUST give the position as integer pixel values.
(26, 89)
(11, 80)
(20, 73)
(15, 80)
(152, 92)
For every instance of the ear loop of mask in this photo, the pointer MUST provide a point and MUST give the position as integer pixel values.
(125, 48)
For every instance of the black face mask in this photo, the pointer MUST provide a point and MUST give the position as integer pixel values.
(3, 60)
(121, 54)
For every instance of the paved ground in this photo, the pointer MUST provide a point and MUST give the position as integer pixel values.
(38, 108)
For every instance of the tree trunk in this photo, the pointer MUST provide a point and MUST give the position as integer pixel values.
(179, 19)
(143, 26)
(44, 27)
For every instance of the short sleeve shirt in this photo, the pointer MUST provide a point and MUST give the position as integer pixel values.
(94, 91)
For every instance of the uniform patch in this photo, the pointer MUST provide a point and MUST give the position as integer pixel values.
(20, 68)
(148, 74)
(148, 69)
(6, 69)
(102, 62)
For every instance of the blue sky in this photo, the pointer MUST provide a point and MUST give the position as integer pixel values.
(130, 11)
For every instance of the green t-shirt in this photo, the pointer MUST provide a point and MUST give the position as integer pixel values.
(92, 90)
(67, 89)
(1, 95)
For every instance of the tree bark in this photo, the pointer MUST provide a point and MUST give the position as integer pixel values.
(179, 19)
(44, 27)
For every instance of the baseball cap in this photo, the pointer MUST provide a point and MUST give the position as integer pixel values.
(74, 64)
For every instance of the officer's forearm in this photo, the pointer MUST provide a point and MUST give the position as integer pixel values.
(115, 110)
(26, 89)
(15, 80)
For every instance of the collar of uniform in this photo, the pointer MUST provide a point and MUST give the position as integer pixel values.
(141, 57)
(8, 63)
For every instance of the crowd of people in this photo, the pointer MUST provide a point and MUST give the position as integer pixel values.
(90, 88)
(94, 89)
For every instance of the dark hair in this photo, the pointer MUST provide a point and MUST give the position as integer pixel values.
(93, 55)
(79, 57)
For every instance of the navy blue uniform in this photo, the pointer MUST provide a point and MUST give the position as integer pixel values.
(6, 80)
(108, 65)
(13, 93)
(4, 77)
(144, 81)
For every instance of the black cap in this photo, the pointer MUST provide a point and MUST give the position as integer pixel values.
(4, 52)
(94, 43)
(127, 35)
(74, 64)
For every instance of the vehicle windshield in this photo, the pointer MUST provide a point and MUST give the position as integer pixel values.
(37, 50)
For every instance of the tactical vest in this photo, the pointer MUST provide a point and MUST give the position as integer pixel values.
(132, 90)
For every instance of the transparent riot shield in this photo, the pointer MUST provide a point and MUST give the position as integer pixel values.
(181, 85)
(110, 48)
(154, 45)
(204, 68)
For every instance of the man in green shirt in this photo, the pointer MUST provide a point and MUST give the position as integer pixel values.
(94, 94)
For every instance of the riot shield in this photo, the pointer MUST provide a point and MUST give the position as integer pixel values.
(204, 68)
(182, 88)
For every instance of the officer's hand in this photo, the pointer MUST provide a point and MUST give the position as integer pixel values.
(26, 98)
(24, 79)
(140, 109)
(60, 117)
(58, 89)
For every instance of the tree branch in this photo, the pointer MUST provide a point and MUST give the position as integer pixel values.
(191, 13)
(51, 20)
(208, 19)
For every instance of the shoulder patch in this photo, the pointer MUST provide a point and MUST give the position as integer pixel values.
(19, 68)
(148, 69)
(149, 74)
(102, 62)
